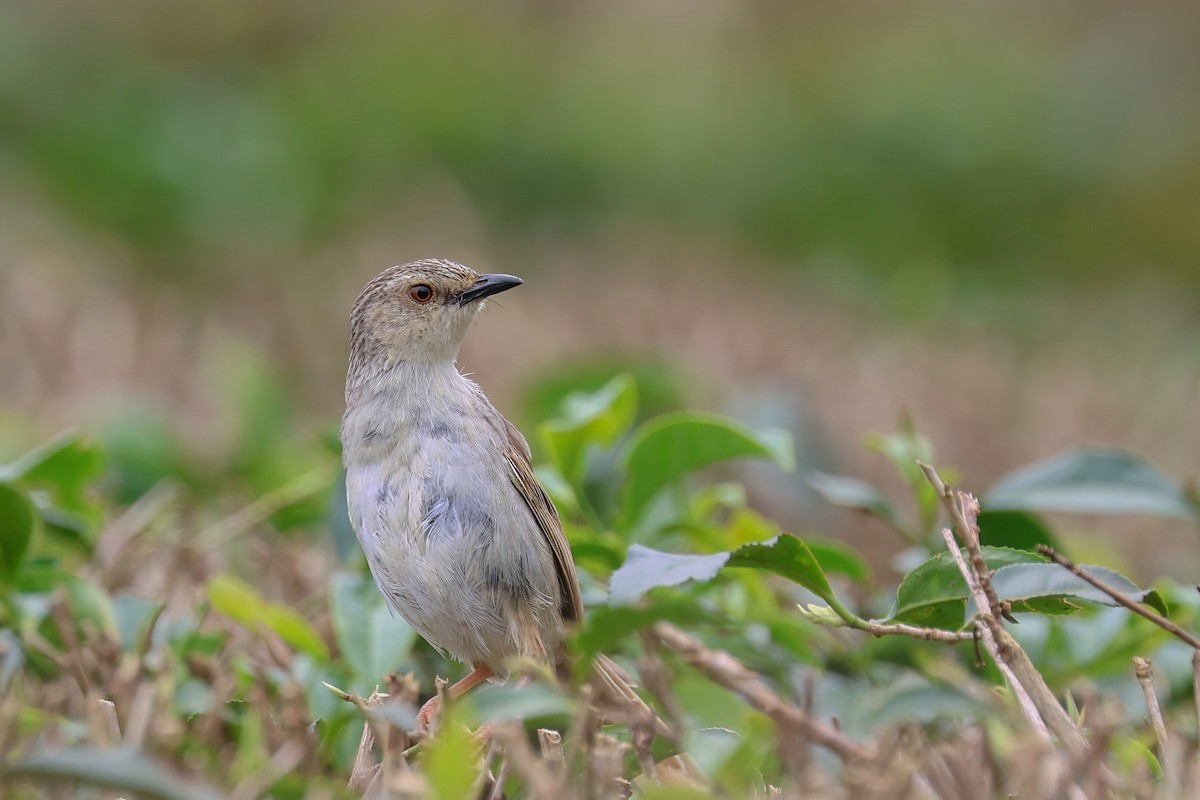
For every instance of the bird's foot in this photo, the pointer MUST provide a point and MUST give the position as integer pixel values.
(426, 714)
(433, 705)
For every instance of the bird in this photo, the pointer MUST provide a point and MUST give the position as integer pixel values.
(461, 538)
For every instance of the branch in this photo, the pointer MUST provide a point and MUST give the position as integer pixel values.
(988, 634)
(847, 619)
(1144, 672)
(1120, 597)
(1037, 701)
(964, 511)
(722, 668)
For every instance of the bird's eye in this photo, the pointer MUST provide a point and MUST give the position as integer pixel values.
(422, 293)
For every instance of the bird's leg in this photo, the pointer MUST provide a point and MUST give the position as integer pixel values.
(425, 716)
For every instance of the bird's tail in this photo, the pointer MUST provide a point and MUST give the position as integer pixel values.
(616, 699)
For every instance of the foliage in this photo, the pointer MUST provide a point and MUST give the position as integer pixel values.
(948, 141)
(216, 639)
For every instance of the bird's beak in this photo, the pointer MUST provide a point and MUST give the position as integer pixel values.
(488, 285)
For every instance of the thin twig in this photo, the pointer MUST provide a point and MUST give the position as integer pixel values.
(112, 725)
(606, 762)
(552, 750)
(722, 668)
(582, 729)
(963, 509)
(1196, 684)
(643, 743)
(904, 629)
(657, 679)
(539, 780)
(141, 715)
(1120, 597)
(137, 518)
(987, 635)
(375, 729)
(1143, 670)
(60, 612)
(1004, 649)
(496, 791)
(366, 769)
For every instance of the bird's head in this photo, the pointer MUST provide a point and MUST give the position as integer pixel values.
(420, 312)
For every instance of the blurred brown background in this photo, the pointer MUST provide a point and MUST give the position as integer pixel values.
(820, 217)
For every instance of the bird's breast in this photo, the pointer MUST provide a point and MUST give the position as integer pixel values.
(451, 543)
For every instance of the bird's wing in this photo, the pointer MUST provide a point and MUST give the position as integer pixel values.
(547, 520)
(614, 687)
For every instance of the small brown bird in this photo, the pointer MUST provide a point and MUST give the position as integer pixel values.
(461, 538)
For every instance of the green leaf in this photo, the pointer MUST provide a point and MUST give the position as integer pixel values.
(1092, 480)
(350, 612)
(1026, 582)
(392, 639)
(12, 658)
(848, 492)
(562, 494)
(1131, 753)
(597, 419)
(909, 699)
(1019, 530)
(66, 467)
(659, 385)
(712, 748)
(516, 702)
(837, 558)
(134, 616)
(372, 639)
(60, 474)
(451, 760)
(90, 603)
(646, 568)
(608, 626)
(235, 599)
(143, 449)
(120, 769)
(670, 447)
(294, 629)
(241, 603)
(18, 523)
(787, 556)
(935, 593)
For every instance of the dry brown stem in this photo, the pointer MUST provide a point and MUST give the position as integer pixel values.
(1121, 597)
(135, 519)
(1196, 684)
(722, 668)
(366, 770)
(553, 757)
(1039, 703)
(657, 678)
(643, 742)
(496, 788)
(988, 635)
(913, 631)
(1143, 670)
(606, 763)
(540, 782)
(141, 715)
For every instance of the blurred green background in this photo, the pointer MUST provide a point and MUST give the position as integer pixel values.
(820, 216)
